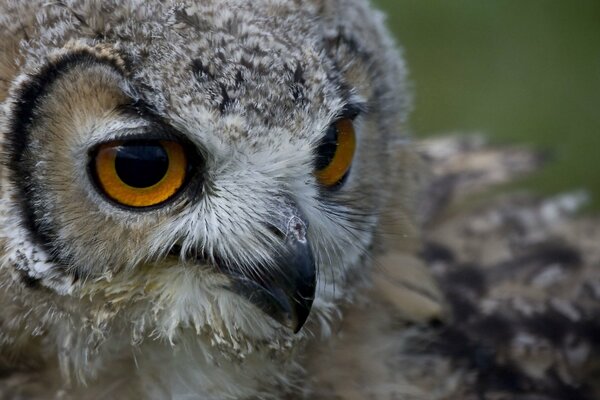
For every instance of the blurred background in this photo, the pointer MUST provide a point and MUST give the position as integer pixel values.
(517, 71)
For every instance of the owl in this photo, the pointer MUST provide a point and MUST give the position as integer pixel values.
(191, 192)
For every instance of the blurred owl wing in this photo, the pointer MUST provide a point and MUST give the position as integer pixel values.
(517, 312)
(521, 276)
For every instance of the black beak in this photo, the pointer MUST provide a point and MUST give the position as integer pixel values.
(286, 290)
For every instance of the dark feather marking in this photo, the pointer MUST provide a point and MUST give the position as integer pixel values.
(461, 306)
(28, 281)
(81, 19)
(297, 84)
(193, 21)
(75, 14)
(433, 252)
(299, 75)
(24, 30)
(534, 258)
(200, 70)
(552, 252)
(226, 101)
(550, 325)
(244, 62)
(239, 78)
(589, 329)
(495, 328)
(466, 277)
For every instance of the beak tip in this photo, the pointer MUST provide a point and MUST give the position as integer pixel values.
(296, 312)
(299, 322)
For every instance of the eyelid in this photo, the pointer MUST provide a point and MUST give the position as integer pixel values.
(143, 133)
(352, 110)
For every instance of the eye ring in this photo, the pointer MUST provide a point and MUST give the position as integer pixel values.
(140, 173)
(335, 153)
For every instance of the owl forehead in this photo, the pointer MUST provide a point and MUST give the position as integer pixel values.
(239, 100)
(261, 72)
(233, 68)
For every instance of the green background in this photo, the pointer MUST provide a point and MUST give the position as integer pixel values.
(518, 71)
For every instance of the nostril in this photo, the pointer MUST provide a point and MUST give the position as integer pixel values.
(297, 228)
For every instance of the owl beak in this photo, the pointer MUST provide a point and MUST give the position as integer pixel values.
(287, 290)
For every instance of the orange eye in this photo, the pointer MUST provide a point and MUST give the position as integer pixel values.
(335, 153)
(140, 173)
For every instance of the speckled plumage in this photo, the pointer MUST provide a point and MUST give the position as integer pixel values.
(95, 294)
(429, 287)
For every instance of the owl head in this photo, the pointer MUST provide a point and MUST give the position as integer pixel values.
(216, 164)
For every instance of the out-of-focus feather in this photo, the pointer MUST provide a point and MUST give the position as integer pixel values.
(517, 315)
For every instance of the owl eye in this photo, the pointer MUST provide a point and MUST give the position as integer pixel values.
(335, 153)
(140, 173)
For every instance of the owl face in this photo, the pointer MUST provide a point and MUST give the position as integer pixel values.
(229, 158)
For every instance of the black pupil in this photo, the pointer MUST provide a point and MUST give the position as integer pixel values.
(327, 148)
(141, 164)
